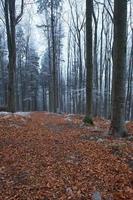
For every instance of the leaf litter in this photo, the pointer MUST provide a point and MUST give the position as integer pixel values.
(46, 156)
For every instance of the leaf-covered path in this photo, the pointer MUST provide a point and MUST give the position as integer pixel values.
(46, 156)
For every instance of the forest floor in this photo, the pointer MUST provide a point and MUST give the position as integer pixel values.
(55, 157)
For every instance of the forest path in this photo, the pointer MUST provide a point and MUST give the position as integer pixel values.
(47, 156)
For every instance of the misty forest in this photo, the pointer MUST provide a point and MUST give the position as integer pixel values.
(66, 99)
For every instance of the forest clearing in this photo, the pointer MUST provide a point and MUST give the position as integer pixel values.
(54, 156)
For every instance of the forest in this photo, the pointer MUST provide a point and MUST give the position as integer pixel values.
(66, 99)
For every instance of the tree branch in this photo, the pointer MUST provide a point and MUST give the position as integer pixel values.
(19, 17)
(112, 19)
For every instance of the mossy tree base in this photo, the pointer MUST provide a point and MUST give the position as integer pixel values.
(88, 121)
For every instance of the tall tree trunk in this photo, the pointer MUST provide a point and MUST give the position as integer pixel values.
(10, 28)
(95, 74)
(89, 64)
(53, 60)
(101, 67)
(80, 73)
(129, 97)
(119, 69)
(11, 20)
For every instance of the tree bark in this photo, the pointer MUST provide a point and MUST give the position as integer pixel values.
(10, 28)
(11, 20)
(118, 127)
(89, 64)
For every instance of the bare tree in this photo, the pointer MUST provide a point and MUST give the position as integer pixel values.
(89, 64)
(11, 20)
(117, 127)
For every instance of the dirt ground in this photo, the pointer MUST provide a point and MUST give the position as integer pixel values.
(56, 157)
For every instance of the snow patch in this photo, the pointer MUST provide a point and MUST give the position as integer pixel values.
(5, 113)
(68, 119)
(23, 114)
(127, 122)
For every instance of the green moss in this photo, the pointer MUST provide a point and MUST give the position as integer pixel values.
(88, 120)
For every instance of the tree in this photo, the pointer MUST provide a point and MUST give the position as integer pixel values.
(89, 64)
(76, 28)
(129, 97)
(119, 69)
(32, 79)
(53, 27)
(3, 71)
(95, 74)
(11, 20)
(45, 78)
(20, 68)
(27, 73)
